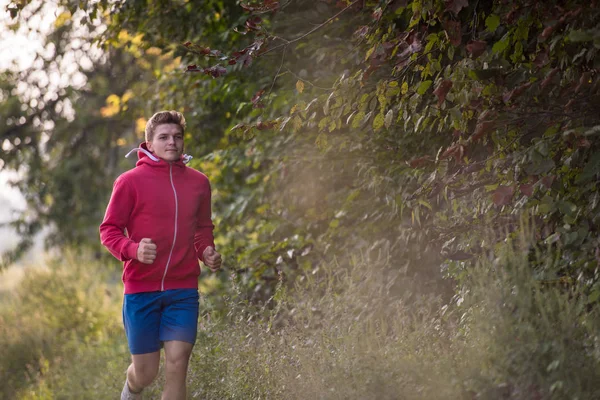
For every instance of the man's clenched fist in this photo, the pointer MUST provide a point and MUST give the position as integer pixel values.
(146, 252)
(211, 259)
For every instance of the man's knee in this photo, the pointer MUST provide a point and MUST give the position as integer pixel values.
(177, 355)
(145, 372)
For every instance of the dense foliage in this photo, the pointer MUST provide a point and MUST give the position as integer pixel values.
(411, 126)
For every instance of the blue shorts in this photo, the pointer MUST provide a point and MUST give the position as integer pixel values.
(151, 318)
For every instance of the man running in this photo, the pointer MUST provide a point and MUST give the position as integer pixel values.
(158, 222)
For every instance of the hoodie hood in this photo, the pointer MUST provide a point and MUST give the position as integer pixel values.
(143, 152)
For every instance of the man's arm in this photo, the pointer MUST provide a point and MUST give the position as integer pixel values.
(203, 236)
(112, 229)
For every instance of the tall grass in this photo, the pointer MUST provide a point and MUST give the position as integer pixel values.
(356, 331)
(55, 319)
(350, 336)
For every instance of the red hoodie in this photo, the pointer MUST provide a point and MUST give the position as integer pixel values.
(168, 203)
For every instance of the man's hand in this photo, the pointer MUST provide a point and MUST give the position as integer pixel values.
(146, 252)
(212, 259)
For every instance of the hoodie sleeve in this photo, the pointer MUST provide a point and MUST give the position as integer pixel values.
(112, 229)
(203, 236)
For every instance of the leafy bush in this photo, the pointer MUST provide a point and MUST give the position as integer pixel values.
(51, 317)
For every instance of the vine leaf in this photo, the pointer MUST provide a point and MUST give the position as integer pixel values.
(502, 195)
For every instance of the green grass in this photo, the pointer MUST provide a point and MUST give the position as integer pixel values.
(357, 331)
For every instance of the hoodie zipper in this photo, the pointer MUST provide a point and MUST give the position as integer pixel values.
(162, 284)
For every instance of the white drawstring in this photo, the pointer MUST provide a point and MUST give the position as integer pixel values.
(186, 157)
(152, 157)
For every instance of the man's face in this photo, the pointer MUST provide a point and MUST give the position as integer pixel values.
(167, 142)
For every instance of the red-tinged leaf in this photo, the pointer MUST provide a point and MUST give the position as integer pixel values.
(247, 7)
(476, 47)
(215, 71)
(583, 80)
(187, 44)
(516, 92)
(548, 78)
(526, 189)
(506, 96)
(220, 71)
(569, 105)
(547, 32)
(547, 181)
(253, 23)
(362, 31)
(246, 60)
(377, 14)
(442, 90)
(449, 152)
(583, 143)
(271, 4)
(411, 45)
(453, 31)
(481, 129)
(520, 89)
(456, 5)
(541, 59)
(192, 67)
(455, 151)
(231, 61)
(205, 50)
(419, 162)
(503, 195)
(388, 47)
(261, 126)
(257, 96)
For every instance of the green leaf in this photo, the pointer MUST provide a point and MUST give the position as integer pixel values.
(590, 170)
(492, 22)
(357, 120)
(423, 86)
(501, 45)
(378, 121)
(451, 52)
(582, 36)
(404, 89)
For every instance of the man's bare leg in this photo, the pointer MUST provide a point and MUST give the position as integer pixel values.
(142, 370)
(177, 356)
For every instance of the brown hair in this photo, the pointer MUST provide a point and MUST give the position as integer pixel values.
(163, 117)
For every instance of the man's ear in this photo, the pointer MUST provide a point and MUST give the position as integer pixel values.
(149, 146)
